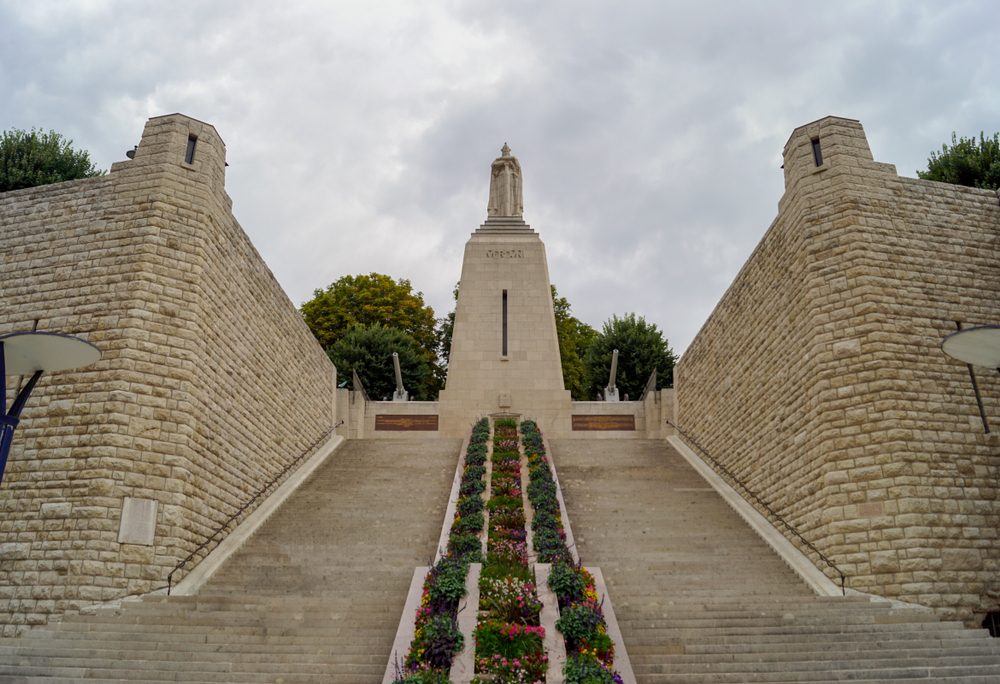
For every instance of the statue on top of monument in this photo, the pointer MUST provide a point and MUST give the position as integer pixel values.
(505, 186)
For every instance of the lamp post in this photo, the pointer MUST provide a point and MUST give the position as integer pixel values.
(34, 353)
(978, 346)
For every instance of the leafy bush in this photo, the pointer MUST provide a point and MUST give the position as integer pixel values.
(568, 582)
(467, 547)
(966, 162)
(38, 158)
(470, 524)
(580, 622)
(545, 518)
(510, 600)
(474, 472)
(437, 641)
(470, 505)
(480, 431)
(476, 455)
(548, 543)
(446, 582)
(420, 673)
(507, 502)
(499, 566)
(587, 669)
(368, 351)
(497, 637)
(506, 422)
(472, 488)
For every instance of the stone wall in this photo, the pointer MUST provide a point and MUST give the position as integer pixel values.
(819, 378)
(210, 383)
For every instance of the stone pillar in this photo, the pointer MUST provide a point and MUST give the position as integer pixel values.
(504, 265)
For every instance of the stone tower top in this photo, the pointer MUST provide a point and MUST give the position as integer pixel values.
(833, 144)
(505, 187)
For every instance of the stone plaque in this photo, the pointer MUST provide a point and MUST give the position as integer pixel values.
(590, 423)
(138, 524)
(424, 423)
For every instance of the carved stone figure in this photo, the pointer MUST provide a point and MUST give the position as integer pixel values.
(505, 186)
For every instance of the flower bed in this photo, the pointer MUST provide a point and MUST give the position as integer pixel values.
(589, 649)
(437, 637)
(509, 639)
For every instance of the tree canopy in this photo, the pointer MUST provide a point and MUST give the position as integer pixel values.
(966, 162)
(35, 158)
(574, 339)
(641, 348)
(368, 351)
(446, 328)
(368, 299)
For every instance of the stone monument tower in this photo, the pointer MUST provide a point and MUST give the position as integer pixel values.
(504, 350)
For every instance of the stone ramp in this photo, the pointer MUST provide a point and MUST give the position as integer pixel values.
(700, 598)
(315, 596)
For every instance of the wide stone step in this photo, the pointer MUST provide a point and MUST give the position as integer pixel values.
(700, 596)
(830, 650)
(791, 633)
(895, 661)
(190, 653)
(965, 674)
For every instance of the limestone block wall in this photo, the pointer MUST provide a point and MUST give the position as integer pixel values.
(819, 377)
(209, 385)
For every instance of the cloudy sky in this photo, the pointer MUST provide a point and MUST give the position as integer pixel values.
(359, 134)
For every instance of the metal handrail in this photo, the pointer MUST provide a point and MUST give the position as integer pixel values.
(244, 507)
(756, 498)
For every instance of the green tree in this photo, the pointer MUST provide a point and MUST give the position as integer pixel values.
(446, 328)
(368, 299)
(574, 339)
(368, 351)
(35, 158)
(966, 162)
(641, 348)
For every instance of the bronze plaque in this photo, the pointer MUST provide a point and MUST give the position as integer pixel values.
(604, 423)
(408, 423)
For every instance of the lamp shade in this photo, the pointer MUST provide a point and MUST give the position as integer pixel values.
(28, 352)
(978, 346)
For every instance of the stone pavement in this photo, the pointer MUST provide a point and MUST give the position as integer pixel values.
(315, 596)
(700, 598)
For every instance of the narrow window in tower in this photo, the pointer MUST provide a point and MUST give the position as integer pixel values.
(504, 323)
(817, 153)
(189, 155)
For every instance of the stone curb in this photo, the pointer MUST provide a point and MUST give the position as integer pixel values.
(407, 625)
(204, 571)
(796, 560)
(622, 663)
(456, 485)
(570, 542)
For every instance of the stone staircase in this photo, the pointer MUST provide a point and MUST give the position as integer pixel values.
(315, 596)
(700, 598)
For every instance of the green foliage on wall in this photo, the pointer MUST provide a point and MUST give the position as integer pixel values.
(28, 159)
(966, 162)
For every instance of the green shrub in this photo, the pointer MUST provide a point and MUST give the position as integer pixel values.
(470, 505)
